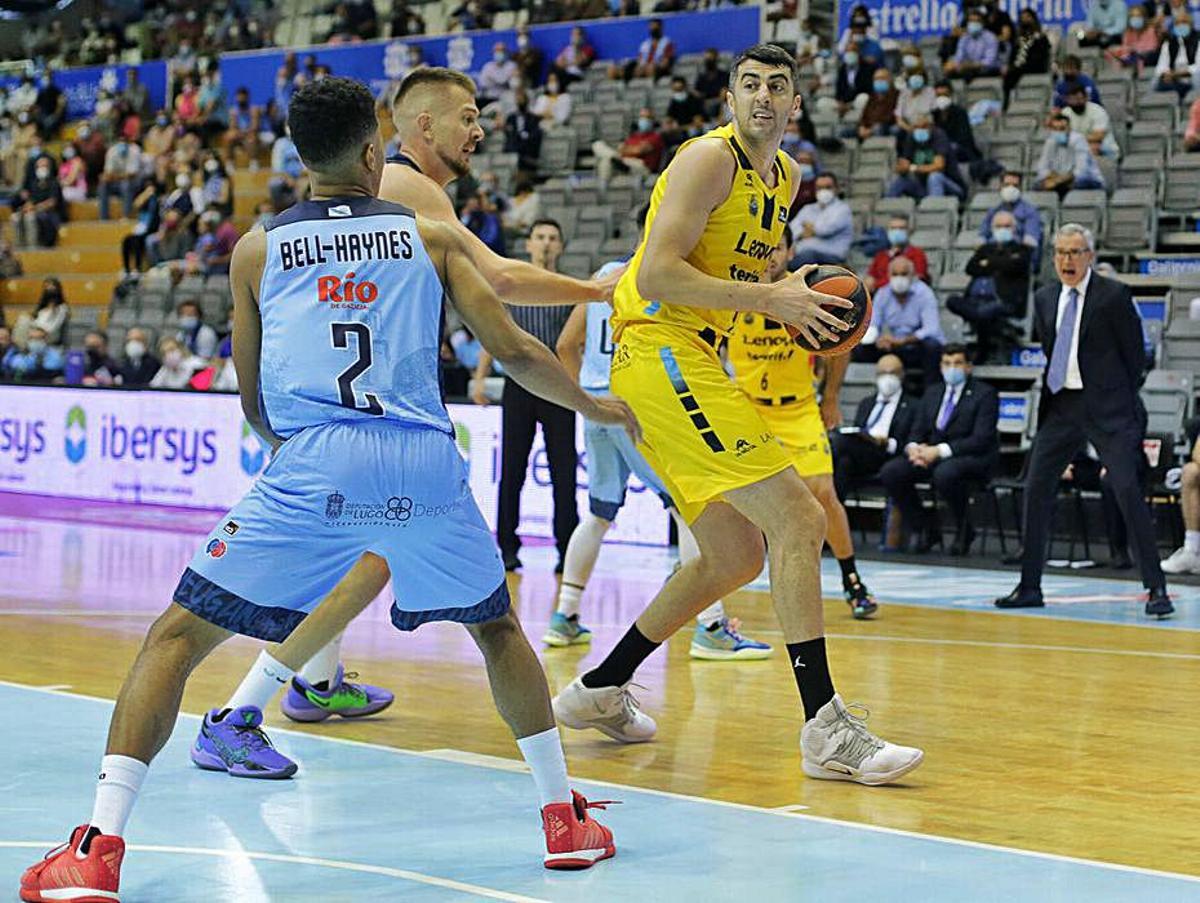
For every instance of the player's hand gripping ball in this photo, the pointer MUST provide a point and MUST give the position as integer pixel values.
(835, 280)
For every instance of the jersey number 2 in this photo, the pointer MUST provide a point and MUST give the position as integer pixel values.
(341, 339)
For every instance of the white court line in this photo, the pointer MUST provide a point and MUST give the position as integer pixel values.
(461, 758)
(387, 872)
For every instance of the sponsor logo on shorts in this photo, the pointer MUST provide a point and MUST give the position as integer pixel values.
(395, 511)
(743, 446)
(231, 527)
(216, 548)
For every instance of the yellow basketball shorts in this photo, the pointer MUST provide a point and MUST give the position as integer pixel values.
(799, 429)
(701, 434)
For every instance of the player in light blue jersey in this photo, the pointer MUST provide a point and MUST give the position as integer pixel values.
(337, 313)
(585, 347)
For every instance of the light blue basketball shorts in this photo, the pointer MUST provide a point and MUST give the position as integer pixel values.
(331, 493)
(611, 458)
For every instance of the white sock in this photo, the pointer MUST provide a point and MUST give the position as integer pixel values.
(544, 754)
(116, 791)
(580, 560)
(1191, 541)
(689, 550)
(261, 682)
(323, 666)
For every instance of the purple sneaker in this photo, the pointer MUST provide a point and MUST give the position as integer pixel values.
(235, 743)
(304, 702)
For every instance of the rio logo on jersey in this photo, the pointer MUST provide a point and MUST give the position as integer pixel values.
(344, 293)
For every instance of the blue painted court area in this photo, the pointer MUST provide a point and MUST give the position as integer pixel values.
(369, 823)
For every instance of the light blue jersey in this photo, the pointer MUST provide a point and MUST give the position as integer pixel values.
(351, 318)
(598, 346)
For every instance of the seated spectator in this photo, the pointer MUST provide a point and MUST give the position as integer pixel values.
(898, 246)
(287, 170)
(860, 34)
(795, 142)
(1140, 43)
(50, 316)
(553, 106)
(20, 148)
(213, 106)
(1072, 72)
(574, 60)
(405, 20)
(878, 115)
(1031, 52)
(38, 210)
(479, 215)
(217, 189)
(524, 207)
(673, 136)
(214, 246)
(685, 107)
(121, 176)
(1191, 135)
(147, 209)
(1178, 65)
(187, 106)
(926, 165)
(1066, 161)
(640, 153)
(1105, 24)
(39, 361)
(177, 366)
(50, 107)
(915, 100)
(878, 432)
(978, 51)
(656, 56)
(529, 59)
(244, 125)
(496, 77)
(711, 81)
(1186, 559)
(543, 11)
(904, 321)
(173, 238)
(523, 133)
(99, 369)
(953, 444)
(24, 95)
(489, 184)
(855, 79)
(160, 137)
(72, 175)
(194, 334)
(138, 366)
(824, 229)
(1090, 120)
(1027, 219)
(136, 96)
(471, 16)
(810, 43)
(341, 27)
(998, 293)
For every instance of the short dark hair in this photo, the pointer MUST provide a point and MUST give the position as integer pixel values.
(788, 236)
(770, 55)
(188, 302)
(330, 118)
(432, 75)
(955, 348)
(1061, 117)
(547, 221)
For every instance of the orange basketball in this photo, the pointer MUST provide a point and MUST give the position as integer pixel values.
(835, 280)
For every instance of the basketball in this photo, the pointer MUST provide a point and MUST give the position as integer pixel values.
(835, 280)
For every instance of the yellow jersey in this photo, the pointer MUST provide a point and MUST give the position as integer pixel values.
(736, 244)
(767, 363)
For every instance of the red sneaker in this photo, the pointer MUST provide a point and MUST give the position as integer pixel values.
(575, 840)
(62, 877)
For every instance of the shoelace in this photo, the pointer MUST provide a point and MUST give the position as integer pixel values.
(254, 737)
(857, 741)
(353, 689)
(630, 703)
(731, 628)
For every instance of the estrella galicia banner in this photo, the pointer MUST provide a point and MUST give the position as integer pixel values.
(378, 62)
(902, 20)
(194, 450)
(81, 85)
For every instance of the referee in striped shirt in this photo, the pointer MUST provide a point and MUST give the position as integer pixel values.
(522, 412)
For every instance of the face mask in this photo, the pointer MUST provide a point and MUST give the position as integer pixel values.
(188, 323)
(522, 41)
(1062, 138)
(910, 61)
(211, 166)
(806, 172)
(36, 346)
(68, 153)
(900, 284)
(1136, 22)
(916, 82)
(23, 118)
(644, 124)
(656, 33)
(183, 180)
(95, 354)
(881, 87)
(552, 87)
(1182, 31)
(135, 349)
(954, 376)
(173, 358)
(680, 96)
(921, 136)
(1002, 235)
(825, 197)
(43, 173)
(1010, 194)
(499, 57)
(898, 237)
(161, 122)
(888, 384)
(942, 102)
(974, 27)
(851, 59)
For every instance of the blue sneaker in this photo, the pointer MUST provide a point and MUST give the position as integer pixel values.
(564, 631)
(235, 743)
(722, 642)
(304, 702)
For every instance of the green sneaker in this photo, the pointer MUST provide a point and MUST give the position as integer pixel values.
(564, 631)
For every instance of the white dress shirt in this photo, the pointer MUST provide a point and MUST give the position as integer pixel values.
(1073, 380)
(884, 416)
(955, 392)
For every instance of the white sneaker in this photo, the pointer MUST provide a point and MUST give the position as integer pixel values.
(610, 710)
(1182, 561)
(836, 746)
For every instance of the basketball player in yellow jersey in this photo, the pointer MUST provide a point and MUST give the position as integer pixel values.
(776, 375)
(716, 214)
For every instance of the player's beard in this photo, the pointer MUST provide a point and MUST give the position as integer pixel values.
(454, 164)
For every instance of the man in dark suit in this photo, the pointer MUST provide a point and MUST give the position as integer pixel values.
(953, 443)
(1092, 337)
(854, 77)
(880, 429)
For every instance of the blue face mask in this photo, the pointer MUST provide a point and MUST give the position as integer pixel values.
(921, 136)
(806, 172)
(1182, 31)
(974, 27)
(916, 82)
(1062, 138)
(1002, 234)
(954, 376)
(881, 87)
(851, 59)
(898, 236)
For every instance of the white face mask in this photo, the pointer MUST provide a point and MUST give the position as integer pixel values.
(825, 196)
(942, 102)
(36, 346)
(183, 181)
(1010, 194)
(900, 284)
(135, 349)
(888, 384)
(173, 358)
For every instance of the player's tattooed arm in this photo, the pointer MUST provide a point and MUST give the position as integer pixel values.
(245, 275)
